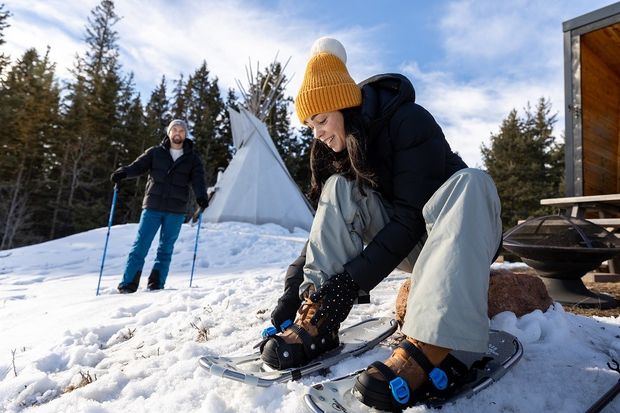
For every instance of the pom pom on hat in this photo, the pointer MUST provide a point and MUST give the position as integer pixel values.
(327, 85)
(329, 45)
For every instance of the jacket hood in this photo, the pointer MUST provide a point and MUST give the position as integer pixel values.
(382, 95)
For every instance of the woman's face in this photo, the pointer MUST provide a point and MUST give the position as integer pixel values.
(328, 127)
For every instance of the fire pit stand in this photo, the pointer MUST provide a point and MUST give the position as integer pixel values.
(562, 249)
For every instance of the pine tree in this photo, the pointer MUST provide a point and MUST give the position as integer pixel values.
(266, 98)
(540, 126)
(130, 137)
(522, 159)
(157, 116)
(205, 115)
(231, 103)
(179, 100)
(300, 153)
(29, 109)
(4, 16)
(273, 81)
(92, 122)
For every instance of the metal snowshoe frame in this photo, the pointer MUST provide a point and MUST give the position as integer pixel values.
(354, 340)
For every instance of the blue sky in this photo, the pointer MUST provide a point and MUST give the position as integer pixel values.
(471, 62)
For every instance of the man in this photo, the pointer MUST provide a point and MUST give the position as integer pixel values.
(172, 166)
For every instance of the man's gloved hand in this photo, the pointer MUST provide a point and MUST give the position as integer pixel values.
(338, 295)
(286, 309)
(118, 176)
(203, 202)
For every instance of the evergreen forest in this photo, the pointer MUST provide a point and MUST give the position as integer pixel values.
(62, 140)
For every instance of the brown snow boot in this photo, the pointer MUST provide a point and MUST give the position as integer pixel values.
(392, 385)
(301, 342)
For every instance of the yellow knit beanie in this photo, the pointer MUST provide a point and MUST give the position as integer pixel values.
(327, 85)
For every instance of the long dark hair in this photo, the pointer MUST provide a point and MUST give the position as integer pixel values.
(352, 162)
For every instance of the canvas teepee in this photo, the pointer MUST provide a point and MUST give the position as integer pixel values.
(256, 187)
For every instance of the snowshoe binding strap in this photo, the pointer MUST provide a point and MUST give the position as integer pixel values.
(436, 375)
(313, 346)
(398, 386)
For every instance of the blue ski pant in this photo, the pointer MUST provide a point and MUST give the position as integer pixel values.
(151, 221)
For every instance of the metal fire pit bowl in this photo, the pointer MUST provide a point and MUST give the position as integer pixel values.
(562, 249)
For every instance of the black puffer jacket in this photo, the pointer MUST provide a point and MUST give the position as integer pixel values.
(411, 159)
(167, 188)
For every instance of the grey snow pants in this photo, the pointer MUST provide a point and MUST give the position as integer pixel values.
(448, 300)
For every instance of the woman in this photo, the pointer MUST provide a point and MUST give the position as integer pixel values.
(391, 193)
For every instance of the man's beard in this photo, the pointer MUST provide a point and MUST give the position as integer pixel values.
(177, 140)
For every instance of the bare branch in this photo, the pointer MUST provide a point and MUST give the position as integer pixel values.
(14, 368)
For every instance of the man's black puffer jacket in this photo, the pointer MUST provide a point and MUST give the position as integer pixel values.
(411, 159)
(167, 188)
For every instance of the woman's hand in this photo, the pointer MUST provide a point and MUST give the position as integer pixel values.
(285, 310)
(336, 296)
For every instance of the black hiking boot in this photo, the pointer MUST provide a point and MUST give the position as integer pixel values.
(300, 343)
(153, 283)
(132, 287)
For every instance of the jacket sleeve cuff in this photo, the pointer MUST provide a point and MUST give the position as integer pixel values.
(355, 268)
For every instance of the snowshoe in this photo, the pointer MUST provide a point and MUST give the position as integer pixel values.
(466, 374)
(251, 369)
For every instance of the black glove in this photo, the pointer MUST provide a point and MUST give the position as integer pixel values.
(286, 309)
(203, 202)
(338, 295)
(118, 176)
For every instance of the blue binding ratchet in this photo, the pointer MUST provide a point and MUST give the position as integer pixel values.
(272, 331)
(400, 390)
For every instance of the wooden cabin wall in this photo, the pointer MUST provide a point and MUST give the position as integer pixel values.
(600, 88)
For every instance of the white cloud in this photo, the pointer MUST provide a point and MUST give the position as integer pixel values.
(498, 56)
(483, 31)
(469, 111)
(492, 57)
(164, 38)
(35, 24)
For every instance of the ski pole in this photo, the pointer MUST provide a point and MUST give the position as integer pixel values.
(191, 277)
(105, 247)
(611, 393)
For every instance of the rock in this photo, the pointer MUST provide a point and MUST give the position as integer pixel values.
(401, 301)
(518, 293)
(508, 291)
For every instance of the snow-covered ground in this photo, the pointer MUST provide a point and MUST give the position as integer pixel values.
(141, 350)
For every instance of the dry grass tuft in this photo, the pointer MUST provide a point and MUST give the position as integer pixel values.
(85, 379)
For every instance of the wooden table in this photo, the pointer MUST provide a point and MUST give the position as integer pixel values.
(606, 207)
